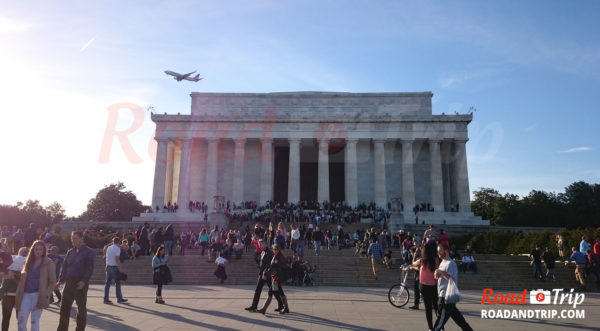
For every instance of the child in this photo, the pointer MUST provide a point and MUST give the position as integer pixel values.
(220, 272)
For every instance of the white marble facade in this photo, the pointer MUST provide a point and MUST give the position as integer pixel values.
(389, 145)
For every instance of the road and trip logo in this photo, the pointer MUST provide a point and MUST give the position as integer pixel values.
(546, 304)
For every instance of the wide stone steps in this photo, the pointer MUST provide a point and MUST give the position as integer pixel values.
(343, 268)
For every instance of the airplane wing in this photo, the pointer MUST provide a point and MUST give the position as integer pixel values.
(188, 74)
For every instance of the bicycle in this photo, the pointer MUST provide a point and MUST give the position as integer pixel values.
(399, 295)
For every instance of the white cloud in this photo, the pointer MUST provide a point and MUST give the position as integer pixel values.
(531, 127)
(576, 149)
(458, 79)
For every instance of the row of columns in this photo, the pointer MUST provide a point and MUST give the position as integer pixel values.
(351, 188)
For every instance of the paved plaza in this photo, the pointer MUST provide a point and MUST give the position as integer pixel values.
(313, 308)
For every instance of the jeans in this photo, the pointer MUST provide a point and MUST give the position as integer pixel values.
(71, 293)
(112, 274)
(300, 248)
(28, 308)
(317, 247)
(169, 246)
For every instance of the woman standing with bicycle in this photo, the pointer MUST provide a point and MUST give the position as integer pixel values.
(428, 284)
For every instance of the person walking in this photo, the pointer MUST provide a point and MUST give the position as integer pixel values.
(263, 278)
(169, 238)
(9, 285)
(580, 260)
(162, 274)
(318, 239)
(113, 271)
(445, 273)
(536, 261)
(560, 244)
(375, 253)
(34, 288)
(58, 260)
(144, 239)
(417, 250)
(76, 272)
(548, 258)
(279, 272)
(428, 284)
(203, 240)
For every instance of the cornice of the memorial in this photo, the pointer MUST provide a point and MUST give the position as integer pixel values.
(385, 118)
(316, 94)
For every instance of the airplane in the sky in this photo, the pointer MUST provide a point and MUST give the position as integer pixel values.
(179, 77)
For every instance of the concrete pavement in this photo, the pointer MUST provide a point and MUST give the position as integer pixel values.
(312, 308)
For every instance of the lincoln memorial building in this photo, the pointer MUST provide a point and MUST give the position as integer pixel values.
(386, 148)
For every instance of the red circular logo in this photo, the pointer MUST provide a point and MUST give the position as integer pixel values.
(540, 297)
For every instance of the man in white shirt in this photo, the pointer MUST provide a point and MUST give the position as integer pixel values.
(113, 270)
(468, 262)
(447, 270)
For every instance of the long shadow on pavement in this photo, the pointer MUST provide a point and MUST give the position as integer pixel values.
(96, 319)
(238, 318)
(174, 317)
(324, 322)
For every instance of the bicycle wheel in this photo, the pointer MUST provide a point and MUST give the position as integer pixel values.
(398, 295)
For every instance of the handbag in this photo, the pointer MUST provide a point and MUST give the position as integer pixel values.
(452, 292)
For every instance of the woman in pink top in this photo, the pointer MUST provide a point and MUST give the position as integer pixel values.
(428, 284)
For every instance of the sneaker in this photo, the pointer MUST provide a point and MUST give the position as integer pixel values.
(122, 301)
(414, 307)
(108, 302)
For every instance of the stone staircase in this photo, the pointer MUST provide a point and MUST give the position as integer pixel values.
(343, 268)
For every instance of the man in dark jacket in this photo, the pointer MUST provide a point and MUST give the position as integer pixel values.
(30, 235)
(144, 242)
(263, 278)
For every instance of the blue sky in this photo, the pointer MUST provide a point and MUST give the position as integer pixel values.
(531, 69)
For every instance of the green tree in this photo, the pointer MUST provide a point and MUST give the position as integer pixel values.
(33, 211)
(113, 203)
(56, 212)
(483, 202)
(507, 210)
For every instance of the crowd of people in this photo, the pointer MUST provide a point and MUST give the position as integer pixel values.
(33, 267)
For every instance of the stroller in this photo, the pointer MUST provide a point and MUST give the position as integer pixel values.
(302, 273)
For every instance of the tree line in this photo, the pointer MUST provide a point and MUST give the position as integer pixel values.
(577, 207)
(113, 203)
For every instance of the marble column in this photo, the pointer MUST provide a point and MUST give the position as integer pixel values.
(408, 177)
(350, 184)
(170, 165)
(446, 146)
(294, 171)
(183, 197)
(211, 172)
(266, 171)
(238, 171)
(462, 176)
(379, 173)
(435, 178)
(323, 192)
(160, 172)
